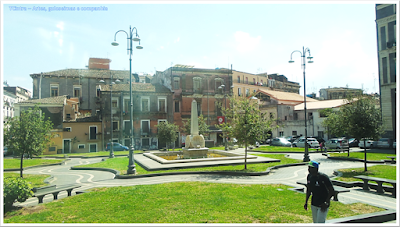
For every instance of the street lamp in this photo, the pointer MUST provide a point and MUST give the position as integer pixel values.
(111, 118)
(222, 90)
(132, 36)
(303, 56)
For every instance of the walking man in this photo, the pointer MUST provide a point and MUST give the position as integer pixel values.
(320, 187)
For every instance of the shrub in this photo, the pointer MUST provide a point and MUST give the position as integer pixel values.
(15, 189)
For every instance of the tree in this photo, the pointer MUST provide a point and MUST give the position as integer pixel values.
(359, 119)
(28, 134)
(167, 132)
(203, 127)
(245, 122)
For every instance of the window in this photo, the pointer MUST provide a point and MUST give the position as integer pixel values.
(294, 133)
(285, 118)
(81, 146)
(392, 67)
(280, 134)
(247, 92)
(383, 38)
(271, 115)
(239, 91)
(145, 104)
(162, 105)
(196, 84)
(262, 82)
(176, 83)
(67, 129)
(53, 90)
(321, 134)
(384, 70)
(198, 108)
(310, 115)
(127, 105)
(77, 90)
(145, 127)
(92, 132)
(98, 89)
(247, 80)
(114, 103)
(176, 106)
(127, 128)
(254, 80)
(115, 125)
(238, 79)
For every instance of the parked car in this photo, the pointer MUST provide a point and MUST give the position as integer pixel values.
(385, 143)
(368, 143)
(312, 143)
(7, 152)
(337, 143)
(319, 139)
(280, 142)
(117, 147)
(353, 142)
(394, 144)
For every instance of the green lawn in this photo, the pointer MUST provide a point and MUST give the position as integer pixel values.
(36, 180)
(360, 155)
(382, 171)
(120, 164)
(182, 202)
(16, 163)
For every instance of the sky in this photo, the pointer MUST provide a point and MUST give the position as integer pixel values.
(253, 37)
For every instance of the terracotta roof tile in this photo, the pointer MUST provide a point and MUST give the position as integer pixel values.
(50, 100)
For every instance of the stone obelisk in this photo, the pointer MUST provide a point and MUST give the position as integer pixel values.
(195, 143)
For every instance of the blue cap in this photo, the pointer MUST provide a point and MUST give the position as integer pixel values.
(313, 164)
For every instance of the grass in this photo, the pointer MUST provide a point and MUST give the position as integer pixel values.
(381, 171)
(360, 155)
(36, 180)
(182, 202)
(16, 163)
(120, 164)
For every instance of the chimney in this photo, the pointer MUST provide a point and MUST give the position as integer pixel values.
(99, 63)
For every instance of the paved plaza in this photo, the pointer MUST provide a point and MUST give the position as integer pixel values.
(62, 175)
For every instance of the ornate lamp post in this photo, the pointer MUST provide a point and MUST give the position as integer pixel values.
(303, 56)
(131, 36)
(111, 118)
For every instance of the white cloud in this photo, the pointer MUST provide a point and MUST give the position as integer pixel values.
(244, 42)
(177, 40)
(60, 25)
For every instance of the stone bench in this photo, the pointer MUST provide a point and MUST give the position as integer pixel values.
(337, 190)
(40, 193)
(392, 157)
(379, 181)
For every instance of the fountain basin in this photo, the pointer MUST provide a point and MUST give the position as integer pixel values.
(225, 155)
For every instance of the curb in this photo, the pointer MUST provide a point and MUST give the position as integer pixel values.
(30, 167)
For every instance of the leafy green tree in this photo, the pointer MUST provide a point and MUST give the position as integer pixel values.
(203, 127)
(28, 134)
(167, 132)
(245, 122)
(359, 119)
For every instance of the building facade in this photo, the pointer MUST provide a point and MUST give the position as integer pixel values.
(247, 84)
(386, 46)
(210, 88)
(338, 93)
(151, 105)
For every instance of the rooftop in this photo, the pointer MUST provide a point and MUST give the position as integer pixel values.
(286, 96)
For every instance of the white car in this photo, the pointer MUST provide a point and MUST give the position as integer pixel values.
(312, 143)
(368, 143)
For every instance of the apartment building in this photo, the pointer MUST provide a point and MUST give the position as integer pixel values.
(338, 92)
(209, 87)
(386, 47)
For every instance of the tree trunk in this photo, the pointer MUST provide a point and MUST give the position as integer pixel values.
(22, 160)
(245, 156)
(365, 157)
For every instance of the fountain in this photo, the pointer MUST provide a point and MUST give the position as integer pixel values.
(195, 143)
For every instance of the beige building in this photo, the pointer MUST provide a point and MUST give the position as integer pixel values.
(247, 84)
(386, 38)
(280, 105)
